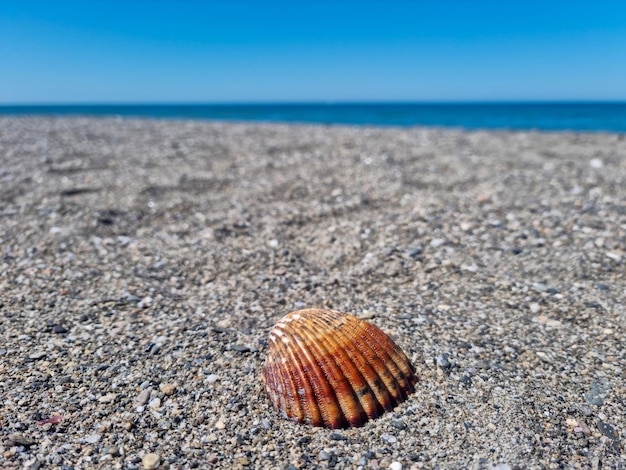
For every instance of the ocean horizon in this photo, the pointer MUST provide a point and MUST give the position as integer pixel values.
(542, 116)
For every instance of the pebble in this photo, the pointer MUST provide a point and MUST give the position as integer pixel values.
(21, 440)
(150, 461)
(167, 389)
(324, 455)
(443, 362)
(598, 389)
(155, 403)
(145, 302)
(143, 397)
(398, 424)
(93, 438)
(242, 461)
(37, 356)
(437, 242)
(614, 256)
(212, 378)
(395, 466)
(389, 438)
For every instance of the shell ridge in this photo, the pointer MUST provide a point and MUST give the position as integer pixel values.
(282, 379)
(293, 386)
(381, 383)
(393, 385)
(318, 379)
(345, 364)
(307, 399)
(326, 362)
(399, 376)
(359, 360)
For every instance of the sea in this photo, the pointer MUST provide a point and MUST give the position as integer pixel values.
(578, 117)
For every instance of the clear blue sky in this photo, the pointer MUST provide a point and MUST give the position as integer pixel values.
(97, 51)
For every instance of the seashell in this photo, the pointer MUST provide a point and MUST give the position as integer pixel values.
(332, 369)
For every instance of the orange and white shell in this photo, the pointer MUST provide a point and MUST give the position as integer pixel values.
(332, 369)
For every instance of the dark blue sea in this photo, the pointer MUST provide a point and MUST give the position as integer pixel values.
(528, 116)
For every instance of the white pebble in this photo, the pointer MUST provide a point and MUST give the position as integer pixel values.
(150, 461)
(614, 256)
(437, 242)
(395, 466)
(212, 378)
(92, 439)
(155, 403)
(596, 163)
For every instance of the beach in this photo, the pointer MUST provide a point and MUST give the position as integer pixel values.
(144, 263)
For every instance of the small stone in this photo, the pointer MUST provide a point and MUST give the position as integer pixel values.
(614, 256)
(535, 307)
(155, 403)
(167, 389)
(304, 440)
(324, 455)
(398, 424)
(37, 356)
(437, 242)
(220, 424)
(367, 315)
(59, 329)
(113, 451)
(108, 398)
(273, 243)
(242, 461)
(442, 361)
(143, 397)
(150, 461)
(21, 440)
(598, 389)
(145, 303)
(92, 438)
(390, 439)
(212, 378)
(596, 163)
(607, 430)
(395, 466)
(337, 436)
(239, 348)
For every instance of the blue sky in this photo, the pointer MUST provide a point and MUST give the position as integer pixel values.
(290, 51)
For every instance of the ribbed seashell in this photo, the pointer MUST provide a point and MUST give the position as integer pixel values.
(332, 369)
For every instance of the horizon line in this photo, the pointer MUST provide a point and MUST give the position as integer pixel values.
(315, 103)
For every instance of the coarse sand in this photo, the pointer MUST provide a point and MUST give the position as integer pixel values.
(144, 262)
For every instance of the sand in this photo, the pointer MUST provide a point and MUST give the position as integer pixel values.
(144, 262)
